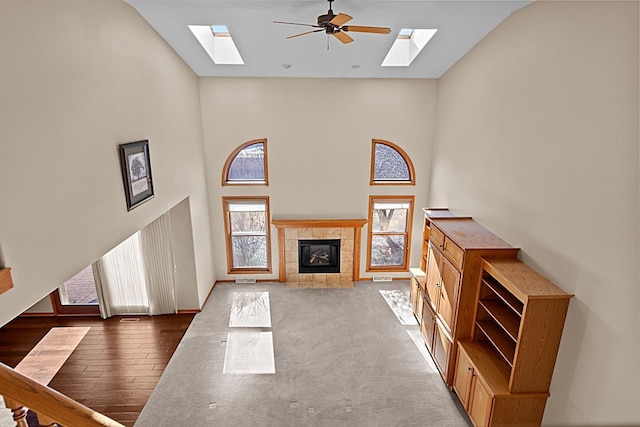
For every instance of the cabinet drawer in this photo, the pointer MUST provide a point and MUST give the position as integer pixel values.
(454, 252)
(436, 235)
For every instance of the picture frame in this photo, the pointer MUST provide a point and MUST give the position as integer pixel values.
(136, 172)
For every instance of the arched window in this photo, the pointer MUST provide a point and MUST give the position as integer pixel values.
(390, 165)
(247, 165)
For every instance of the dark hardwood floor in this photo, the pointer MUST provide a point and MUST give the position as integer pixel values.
(115, 367)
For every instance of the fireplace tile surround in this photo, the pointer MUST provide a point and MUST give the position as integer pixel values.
(349, 231)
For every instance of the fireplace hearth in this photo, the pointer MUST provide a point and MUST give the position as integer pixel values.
(319, 256)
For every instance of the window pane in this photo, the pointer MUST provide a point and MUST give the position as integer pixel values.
(80, 289)
(248, 165)
(246, 206)
(247, 222)
(387, 250)
(389, 220)
(389, 165)
(249, 251)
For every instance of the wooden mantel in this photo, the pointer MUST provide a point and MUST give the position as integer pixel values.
(355, 224)
(5, 280)
(318, 223)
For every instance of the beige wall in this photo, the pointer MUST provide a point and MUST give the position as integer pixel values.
(537, 138)
(319, 135)
(184, 257)
(78, 78)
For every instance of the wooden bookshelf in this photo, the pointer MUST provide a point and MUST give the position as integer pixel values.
(503, 373)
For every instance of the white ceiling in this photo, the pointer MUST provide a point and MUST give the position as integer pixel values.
(264, 47)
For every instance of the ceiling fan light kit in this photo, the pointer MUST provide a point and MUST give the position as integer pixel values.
(333, 24)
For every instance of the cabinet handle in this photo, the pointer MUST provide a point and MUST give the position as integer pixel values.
(469, 368)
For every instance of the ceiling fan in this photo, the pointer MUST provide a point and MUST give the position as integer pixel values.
(333, 24)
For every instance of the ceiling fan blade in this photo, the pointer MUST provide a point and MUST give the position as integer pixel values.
(296, 23)
(365, 29)
(343, 37)
(340, 19)
(306, 32)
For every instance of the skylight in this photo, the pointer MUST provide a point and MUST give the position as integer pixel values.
(217, 42)
(407, 46)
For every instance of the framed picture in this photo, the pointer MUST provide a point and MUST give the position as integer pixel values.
(136, 172)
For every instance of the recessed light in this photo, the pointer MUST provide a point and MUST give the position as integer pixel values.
(355, 66)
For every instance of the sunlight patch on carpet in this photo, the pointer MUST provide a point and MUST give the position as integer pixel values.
(249, 353)
(419, 342)
(399, 304)
(250, 310)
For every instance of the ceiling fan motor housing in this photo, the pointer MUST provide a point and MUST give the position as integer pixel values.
(324, 20)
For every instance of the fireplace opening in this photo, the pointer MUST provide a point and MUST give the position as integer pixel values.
(319, 256)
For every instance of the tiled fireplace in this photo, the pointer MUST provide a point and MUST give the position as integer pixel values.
(319, 235)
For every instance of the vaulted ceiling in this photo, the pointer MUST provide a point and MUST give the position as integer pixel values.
(267, 53)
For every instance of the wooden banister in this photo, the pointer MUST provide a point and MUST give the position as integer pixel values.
(20, 390)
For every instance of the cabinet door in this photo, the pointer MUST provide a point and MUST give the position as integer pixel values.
(419, 304)
(428, 325)
(479, 403)
(413, 294)
(434, 265)
(450, 283)
(441, 349)
(462, 378)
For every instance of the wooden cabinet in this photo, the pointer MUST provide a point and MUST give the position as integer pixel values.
(491, 323)
(453, 259)
(509, 360)
(5, 280)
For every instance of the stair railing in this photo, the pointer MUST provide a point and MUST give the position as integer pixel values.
(21, 392)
